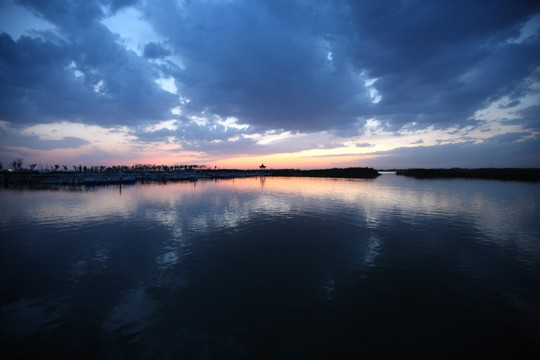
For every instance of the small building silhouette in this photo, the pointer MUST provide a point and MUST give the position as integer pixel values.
(262, 167)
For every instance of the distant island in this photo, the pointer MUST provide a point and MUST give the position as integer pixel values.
(515, 174)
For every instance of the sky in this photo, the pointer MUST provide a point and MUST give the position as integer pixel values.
(288, 83)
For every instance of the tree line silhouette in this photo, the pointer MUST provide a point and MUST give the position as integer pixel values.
(17, 165)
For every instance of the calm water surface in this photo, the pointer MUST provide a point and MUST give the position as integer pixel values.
(272, 268)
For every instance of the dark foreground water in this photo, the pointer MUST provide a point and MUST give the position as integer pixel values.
(272, 268)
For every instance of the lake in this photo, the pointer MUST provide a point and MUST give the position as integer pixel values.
(272, 268)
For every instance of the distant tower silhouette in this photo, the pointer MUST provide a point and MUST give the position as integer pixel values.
(262, 167)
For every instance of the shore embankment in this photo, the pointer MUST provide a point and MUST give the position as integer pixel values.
(509, 174)
(79, 178)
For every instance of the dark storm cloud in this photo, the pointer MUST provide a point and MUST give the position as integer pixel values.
(92, 80)
(266, 65)
(297, 65)
(438, 61)
(82, 75)
(292, 65)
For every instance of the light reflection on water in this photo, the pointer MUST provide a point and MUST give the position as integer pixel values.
(226, 269)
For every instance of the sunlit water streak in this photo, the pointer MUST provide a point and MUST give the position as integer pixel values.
(273, 268)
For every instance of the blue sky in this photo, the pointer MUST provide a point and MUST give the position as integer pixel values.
(304, 84)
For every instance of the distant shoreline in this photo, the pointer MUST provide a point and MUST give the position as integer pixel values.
(78, 178)
(92, 178)
(508, 174)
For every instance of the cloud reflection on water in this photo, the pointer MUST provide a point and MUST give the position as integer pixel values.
(193, 257)
(227, 204)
